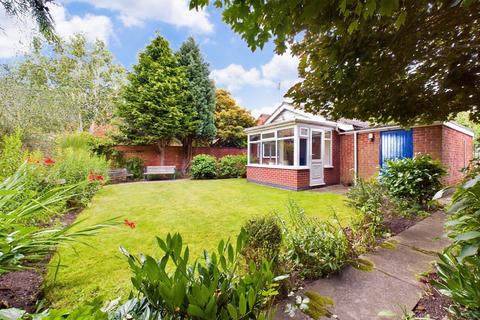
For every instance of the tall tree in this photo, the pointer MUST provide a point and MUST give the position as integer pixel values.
(231, 121)
(35, 9)
(64, 86)
(378, 60)
(198, 111)
(151, 110)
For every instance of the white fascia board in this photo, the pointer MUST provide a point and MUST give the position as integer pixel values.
(448, 124)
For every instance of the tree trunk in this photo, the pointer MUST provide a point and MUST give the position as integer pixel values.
(187, 148)
(161, 149)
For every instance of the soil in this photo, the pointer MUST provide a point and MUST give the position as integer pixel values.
(23, 289)
(399, 224)
(432, 302)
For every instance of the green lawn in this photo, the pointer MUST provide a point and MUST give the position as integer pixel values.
(202, 211)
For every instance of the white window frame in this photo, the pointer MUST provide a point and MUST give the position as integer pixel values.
(328, 159)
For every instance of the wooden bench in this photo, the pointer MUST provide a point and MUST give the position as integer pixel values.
(159, 170)
(119, 175)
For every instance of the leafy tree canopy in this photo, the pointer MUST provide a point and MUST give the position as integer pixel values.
(151, 110)
(375, 60)
(61, 87)
(231, 121)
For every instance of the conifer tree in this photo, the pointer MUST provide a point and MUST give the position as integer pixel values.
(197, 123)
(151, 111)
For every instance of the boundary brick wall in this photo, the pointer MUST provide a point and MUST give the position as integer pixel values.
(173, 154)
(292, 179)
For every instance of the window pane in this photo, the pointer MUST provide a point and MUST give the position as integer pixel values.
(316, 145)
(285, 152)
(269, 152)
(285, 133)
(304, 132)
(255, 137)
(268, 135)
(328, 152)
(328, 135)
(254, 153)
(303, 152)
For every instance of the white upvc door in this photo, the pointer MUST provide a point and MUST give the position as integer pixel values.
(316, 157)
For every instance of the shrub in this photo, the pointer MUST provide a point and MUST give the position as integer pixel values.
(315, 248)
(232, 166)
(77, 165)
(135, 167)
(264, 238)
(211, 288)
(77, 141)
(367, 197)
(12, 154)
(413, 179)
(204, 166)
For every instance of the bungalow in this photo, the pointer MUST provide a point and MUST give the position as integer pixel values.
(297, 150)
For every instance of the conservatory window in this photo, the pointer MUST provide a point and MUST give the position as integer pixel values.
(269, 152)
(328, 149)
(272, 148)
(254, 153)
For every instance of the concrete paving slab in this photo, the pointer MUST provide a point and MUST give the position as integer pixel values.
(427, 235)
(402, 262)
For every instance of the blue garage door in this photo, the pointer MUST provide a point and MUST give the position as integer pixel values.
(396, 144)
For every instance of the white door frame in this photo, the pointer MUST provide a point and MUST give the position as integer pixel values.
(316, 165)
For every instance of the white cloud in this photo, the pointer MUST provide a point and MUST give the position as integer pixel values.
(16, 36)
(92, 26)
(236, 76)
(264, 110)
(175, 12)
(281, 69)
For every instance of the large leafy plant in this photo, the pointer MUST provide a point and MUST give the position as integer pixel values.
(22, 244)
(207, 288)
(459, 265)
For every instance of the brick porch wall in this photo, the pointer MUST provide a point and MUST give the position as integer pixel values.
(332, 175)
(457, 152)
(346, 159)
(278, 177)
(368, 155)
(453, 148)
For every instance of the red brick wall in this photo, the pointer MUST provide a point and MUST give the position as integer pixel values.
(332, 175)
(346, 159)
(428, 140)
(279, 177)
(173, 154)
(368, 155)
(457, 151)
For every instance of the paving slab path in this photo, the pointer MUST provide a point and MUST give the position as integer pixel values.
(393, 284)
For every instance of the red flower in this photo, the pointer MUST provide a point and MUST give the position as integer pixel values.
(48, 161)
(94, 177)
(129, 224)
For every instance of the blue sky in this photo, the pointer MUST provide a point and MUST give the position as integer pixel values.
(128, 26)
